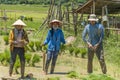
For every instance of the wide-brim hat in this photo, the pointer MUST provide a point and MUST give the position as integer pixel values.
(19, 22)
(55, 21)
(93, 17)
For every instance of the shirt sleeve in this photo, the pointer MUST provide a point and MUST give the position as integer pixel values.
(101, 33)
(11, 37)
(62, 38)
(84, 34)
(26, 37)
(47, 38)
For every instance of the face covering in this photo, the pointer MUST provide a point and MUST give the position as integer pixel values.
(55, 27)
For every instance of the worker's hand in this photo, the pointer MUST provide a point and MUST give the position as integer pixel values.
(20, 41)
(23, 42)
(42, 45)
(90, 45)
(95, 47)
(15, 42)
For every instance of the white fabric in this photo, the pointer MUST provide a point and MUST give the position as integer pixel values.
(92, 18)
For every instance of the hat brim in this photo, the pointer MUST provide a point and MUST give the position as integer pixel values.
(92, 19)
(19, 25)
(19, 22)
(58, 22)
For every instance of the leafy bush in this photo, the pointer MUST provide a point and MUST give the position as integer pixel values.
(71, 50)
(2, 32)
(73, 74)
(6, 40)
(62, 48)
(44, 48)
(35, 59)
(77, 51)
(31, 45)
(28, 58)
(5, 57)
(97, 77)
(37, 45)
(27, 48)
(83, 52)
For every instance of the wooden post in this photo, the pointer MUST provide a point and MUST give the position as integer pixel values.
(91, 10)
(60, 12)
(75, 15)
(93, 6)
(5, 20)
(50, 10)
(68, 17)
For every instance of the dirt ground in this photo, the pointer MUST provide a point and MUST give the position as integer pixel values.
(65, 63)
(60, 70)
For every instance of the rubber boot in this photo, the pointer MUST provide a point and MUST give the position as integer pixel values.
(52, 69)
(11, 69)
(46, 68)
(22, 69)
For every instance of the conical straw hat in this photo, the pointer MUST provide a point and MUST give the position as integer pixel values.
(19, 22)
(56, 21)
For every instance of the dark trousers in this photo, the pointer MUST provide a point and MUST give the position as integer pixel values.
(21, 53)
(51, 55)
(100, 56)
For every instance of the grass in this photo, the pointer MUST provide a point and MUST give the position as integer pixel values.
(39, 13)
(32, 8)
(98, 77)
(13, 12)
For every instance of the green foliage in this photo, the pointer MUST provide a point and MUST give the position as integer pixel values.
(31, 45)
(112, 49)
(38, 46)
(71, 50)
(5, 57)
(97, 77)
(77, 51)
(27, 48)
(28, 58)
(37, 1)
(54, 78)
(83, 52)
(6, 40)
(62, 48)
(73, 74)
(35, 59)
(44, 48)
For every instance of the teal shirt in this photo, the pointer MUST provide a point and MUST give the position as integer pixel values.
(93, 33)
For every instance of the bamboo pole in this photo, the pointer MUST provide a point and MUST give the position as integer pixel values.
(74, 20)
(93, 6)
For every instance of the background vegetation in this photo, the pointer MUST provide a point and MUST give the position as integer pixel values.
(36, 1)
(34, 15)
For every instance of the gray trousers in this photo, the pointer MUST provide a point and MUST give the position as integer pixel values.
(21, 53)
(100, 55)
(51, 55)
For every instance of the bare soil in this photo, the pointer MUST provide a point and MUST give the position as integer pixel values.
(65, 63)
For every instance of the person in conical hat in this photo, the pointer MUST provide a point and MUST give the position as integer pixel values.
(92, 35)
(54, 39)
(18, 38)
(19, 22)
(59, 23)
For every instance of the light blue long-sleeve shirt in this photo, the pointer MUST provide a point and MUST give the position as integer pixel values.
(95, 33)
(54, 41)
